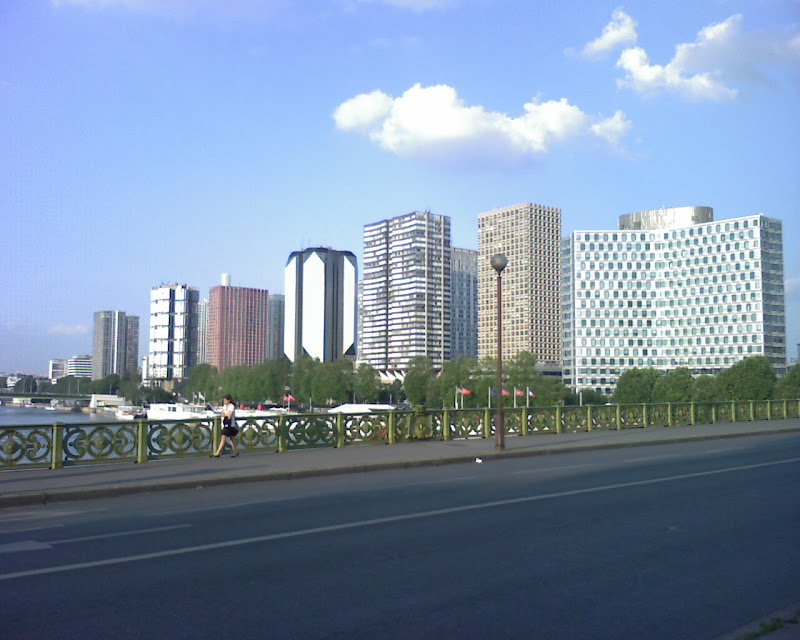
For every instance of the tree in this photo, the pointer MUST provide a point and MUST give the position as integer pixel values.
(275, 374)
(789, 385)
(704, 389)
(418, 376)
(367, 383)
(635, 386)
(26, 384)
(332, 381)
(302, 377)
(129, 387)
(203, 381)
(750, 379)
(674, 386)
(458, 374)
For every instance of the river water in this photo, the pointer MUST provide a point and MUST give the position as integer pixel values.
(17, 416)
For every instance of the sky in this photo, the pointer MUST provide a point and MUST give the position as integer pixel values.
(155, 141)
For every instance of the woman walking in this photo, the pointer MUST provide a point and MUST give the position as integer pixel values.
(229, 429)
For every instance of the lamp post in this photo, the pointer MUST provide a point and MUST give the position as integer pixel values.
(499, 262)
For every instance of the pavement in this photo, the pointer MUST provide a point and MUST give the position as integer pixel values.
(41, 486)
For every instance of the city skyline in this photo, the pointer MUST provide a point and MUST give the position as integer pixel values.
(272, 128)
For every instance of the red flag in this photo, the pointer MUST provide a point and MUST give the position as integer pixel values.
(506, 392)
(465, 391)
(531, 394)
(288, 398)
(518, 392)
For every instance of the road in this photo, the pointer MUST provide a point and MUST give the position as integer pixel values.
(675, 541)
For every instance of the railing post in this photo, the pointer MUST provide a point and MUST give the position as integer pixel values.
(57, 452)
(392, 427)
(669, 414)
(785, 409)
(769, 409)
(692, 415)
(446, 424)
(216, 433)
(752, 411)
(282, 435)
(644, 415)
(588, 417)
(713, 413)
(487, 424)
(733, 410)
(558, 418)
(525, 414)
(339, 430)
(141, 442)
(619, 418)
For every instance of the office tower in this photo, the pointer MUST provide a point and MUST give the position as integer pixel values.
(275, 320)
(202, 331)
(57, 369)
(529, 235)
(671, 288)
(80, 366)
(406, 291)
(464, 301)
(174, 335)
(237, 325)
(115, 344)
(320, 304)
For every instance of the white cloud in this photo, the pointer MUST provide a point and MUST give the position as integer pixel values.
(435, 122)
(621, 30)
(706, 69)
(68, 330)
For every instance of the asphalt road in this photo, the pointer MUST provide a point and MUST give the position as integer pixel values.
(677, 541)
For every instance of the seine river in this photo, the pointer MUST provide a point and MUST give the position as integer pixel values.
(16, 416)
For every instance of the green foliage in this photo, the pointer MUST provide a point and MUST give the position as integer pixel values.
(129, 387)
(303, 377)
(673, 386)
(748, 379)
(202, 382)
(789, 385)
(108, 385)
(156, 395)
(457, 374)
(26, 384)
(704, 389)
(635, 386)
(332, 382)
(418, 376)
(367, 384)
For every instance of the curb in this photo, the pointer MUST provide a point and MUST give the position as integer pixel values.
(789, 631)
(45, 497)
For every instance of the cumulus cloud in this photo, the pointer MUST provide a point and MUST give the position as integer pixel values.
(68, 330)
(435, 121)
(620, 31)
(722, 55)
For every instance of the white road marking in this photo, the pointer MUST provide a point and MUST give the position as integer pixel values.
(572, 466)
(120, 533)
(24, 545)
(376, 521)
(671, 455)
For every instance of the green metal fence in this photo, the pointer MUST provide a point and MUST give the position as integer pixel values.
(59, 445)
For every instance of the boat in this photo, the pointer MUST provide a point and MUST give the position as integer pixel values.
(130, 413)
(173, 411)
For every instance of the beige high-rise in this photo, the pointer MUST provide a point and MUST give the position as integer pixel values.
(529, 235)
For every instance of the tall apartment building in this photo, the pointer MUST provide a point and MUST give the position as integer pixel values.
(464, 303)
(320, 304)
(174, 335)
(275, 325)
(115, 343)
(529, 235)
(237, 325)
(671, 288)
(202, 331)
(406, 301)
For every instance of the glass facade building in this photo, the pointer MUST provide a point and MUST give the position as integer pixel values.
(174, 333)
(701, 296)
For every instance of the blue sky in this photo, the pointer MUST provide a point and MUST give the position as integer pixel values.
(150, 141)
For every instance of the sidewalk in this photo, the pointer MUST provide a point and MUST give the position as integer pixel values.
(37, 486)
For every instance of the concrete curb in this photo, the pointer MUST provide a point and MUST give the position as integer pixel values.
(791, 630)
(29, 498)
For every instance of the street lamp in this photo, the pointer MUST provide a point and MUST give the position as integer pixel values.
(499, 262)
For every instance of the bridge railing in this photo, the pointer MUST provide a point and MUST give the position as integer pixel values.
(58, 445)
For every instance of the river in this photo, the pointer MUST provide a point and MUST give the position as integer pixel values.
(11, 416)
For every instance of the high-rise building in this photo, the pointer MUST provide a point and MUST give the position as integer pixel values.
(406, 302)
(202, 331)
(115, 344)
(320, 304)
(529, 235)
(275, 321)
(80, 366)
(671, 288)
(237, 325)
(464, 301)
(174, 335)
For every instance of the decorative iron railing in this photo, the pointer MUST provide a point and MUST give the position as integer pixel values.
(59, 445)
